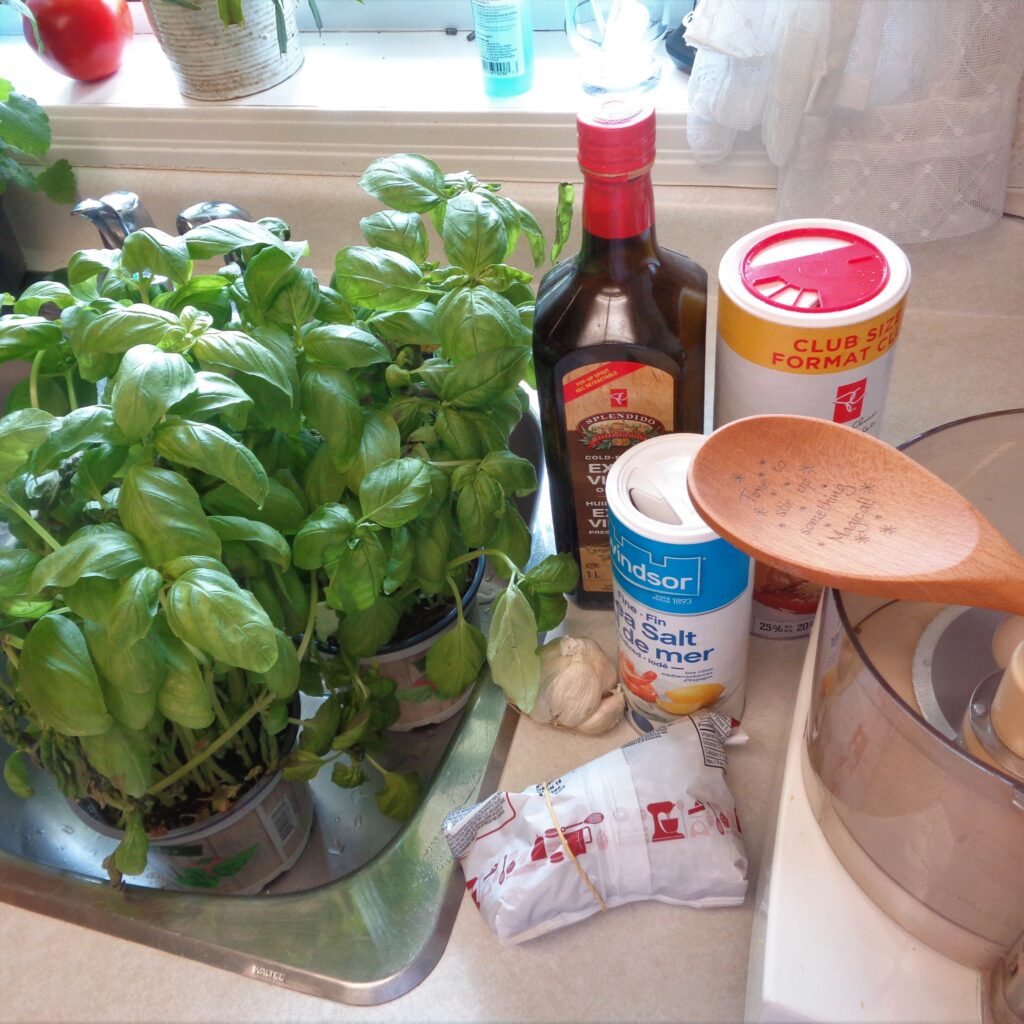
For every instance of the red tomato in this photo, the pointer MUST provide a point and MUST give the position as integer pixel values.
(82, 39)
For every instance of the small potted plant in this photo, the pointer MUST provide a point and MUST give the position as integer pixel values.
(229, 48)
(200, 465)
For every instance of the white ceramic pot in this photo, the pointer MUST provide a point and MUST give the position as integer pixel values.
(406, 662)
(213, 61)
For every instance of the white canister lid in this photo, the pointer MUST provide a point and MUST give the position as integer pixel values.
(829, 272)
(646, 490)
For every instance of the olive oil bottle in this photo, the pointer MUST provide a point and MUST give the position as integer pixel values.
(618, 337)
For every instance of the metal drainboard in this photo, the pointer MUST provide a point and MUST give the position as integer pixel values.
(366, 912)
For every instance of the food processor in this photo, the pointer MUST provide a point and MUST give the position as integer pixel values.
(893, 888)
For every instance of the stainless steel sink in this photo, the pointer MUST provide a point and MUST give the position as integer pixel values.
(365, 913)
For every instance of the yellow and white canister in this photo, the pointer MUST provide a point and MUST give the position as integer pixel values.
(808, 315)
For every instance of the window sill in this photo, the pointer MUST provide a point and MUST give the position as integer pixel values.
(359, 95)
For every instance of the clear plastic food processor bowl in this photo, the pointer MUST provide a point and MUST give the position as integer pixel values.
(934, 835)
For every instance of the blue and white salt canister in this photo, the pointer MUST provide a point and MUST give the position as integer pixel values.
(682, 594)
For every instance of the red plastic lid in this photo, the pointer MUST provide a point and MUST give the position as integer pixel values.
(813, 277)
(615, 137)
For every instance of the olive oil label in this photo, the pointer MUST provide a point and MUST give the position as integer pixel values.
(608, 407)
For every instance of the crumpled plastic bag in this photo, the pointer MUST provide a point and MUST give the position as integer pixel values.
(653, 820)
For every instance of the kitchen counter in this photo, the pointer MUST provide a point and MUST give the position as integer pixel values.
(961, 352)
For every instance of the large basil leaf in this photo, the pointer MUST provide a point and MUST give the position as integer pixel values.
(514, 538)
(331, 404)
(207, 448)
(215, 394)
(92, 424)
(162, 510)
(283, 510)
(183, 697)
(318, 731)
(474, 233)
(147, 383)
(516, 475)
(430, 544)
(563, 217)
(23, 123)
(379, 443)
(86, 264)
(232, 350)
(330, 526)
(378, 279)
(159, 253)
(207, 292)
(219, 237)
(532, 230)
(357, 574)
(556, 574)
(479, 509)
(268, 270)
(296, 301)
(474, 320)
(322, 482)
(96, 468)
(123, 755)
(282, 678)
(400, 232)
(213, 613)
(395, 492)
(265, 539)
(21, 433)
(400, 795)
(469, 433)
(124, 327)
(92, 597)
(363, 634)
(21, 337)
(139, 668)
(134, 608)
(346, 347)
(512, 648)
(106, 551)
(407, 182)
(413, 326)
(477, 382)
(57, 679)
(400, 560)
(16, 565)
(16, 775)
(455, 658)
(509, 218)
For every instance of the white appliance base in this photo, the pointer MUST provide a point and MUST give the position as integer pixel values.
(820, 949)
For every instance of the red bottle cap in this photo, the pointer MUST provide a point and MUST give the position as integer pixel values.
(814, 270)
(616, 138)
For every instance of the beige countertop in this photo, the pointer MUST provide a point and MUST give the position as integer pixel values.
(961, 352)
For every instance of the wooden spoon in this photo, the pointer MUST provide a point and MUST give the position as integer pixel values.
(841, 508)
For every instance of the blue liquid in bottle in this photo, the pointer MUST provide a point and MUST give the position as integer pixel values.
(504, 36)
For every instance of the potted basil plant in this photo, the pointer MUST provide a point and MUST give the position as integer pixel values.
(200, 464)
(229, 48)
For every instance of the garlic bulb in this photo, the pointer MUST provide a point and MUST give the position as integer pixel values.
(575, 675)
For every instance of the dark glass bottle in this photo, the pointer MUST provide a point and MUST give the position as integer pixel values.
(618, 338)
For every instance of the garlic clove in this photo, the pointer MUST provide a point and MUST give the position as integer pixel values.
(608, 714)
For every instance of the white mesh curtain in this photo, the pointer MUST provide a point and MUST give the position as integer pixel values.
(898, 114)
